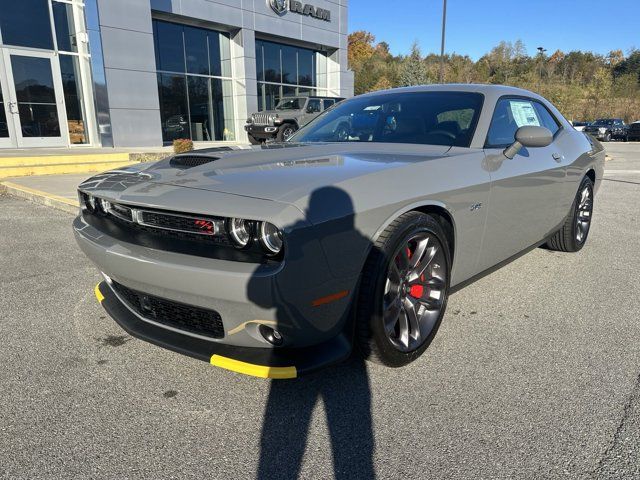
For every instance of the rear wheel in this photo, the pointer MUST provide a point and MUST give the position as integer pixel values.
(573, 234)
(404, 290)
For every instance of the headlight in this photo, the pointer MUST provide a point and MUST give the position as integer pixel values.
(105, 205)
(602, 130)
(270, 238)
(239, 231)
(88, 201)
(250, 120)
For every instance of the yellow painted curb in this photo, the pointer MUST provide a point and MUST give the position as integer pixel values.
(55, 169)
(6, 162)
(37, 196)
(40, 193)
(98, 293)
(261, 371)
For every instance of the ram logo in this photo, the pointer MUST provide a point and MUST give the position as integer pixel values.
(279, 6)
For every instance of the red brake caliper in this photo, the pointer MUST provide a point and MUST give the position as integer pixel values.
(416, 291)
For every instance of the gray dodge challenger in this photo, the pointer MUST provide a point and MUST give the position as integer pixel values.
(278, 260)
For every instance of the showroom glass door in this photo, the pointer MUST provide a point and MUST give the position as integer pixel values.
(35, 98)
(5, 134)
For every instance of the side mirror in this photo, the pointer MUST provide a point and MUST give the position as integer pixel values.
(529, 136)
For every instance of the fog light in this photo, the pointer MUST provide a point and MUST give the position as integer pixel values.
(271, 335)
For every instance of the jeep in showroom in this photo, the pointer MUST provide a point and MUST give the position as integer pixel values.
(289, 115)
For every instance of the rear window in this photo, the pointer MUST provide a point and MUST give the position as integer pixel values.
(432, 118)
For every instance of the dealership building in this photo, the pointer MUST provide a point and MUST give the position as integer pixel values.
(141, 73)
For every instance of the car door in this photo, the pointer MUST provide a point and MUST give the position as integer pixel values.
(526, 191)
(312, 110)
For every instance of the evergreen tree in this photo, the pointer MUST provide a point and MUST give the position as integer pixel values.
(414, 71)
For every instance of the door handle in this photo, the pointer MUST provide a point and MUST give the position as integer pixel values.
(557, 157)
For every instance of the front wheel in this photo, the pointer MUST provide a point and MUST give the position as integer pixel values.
(285, 132)
(404, 290)
(573, 234)
(607, 137)
(253, 140)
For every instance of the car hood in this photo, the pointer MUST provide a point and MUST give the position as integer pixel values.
(285, 172)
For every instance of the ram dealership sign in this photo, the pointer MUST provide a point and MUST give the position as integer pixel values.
(283, 6)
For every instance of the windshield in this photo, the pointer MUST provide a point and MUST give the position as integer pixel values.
(433, 118)
(603, 121)
(290, 104)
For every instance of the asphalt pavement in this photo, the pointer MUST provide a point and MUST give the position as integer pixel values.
(534, 374)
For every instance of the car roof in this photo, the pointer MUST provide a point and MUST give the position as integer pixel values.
(499, 90)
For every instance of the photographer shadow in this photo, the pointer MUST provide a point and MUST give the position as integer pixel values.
(343, 390)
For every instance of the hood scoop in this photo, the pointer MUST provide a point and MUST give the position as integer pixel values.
(190, 161)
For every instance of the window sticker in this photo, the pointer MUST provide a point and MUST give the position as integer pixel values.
(524, 114)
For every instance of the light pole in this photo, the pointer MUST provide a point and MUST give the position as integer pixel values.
(541, 51)
(444, 24)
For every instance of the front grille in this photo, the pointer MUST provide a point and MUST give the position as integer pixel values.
(191, 319)
(261, 119)
(205, 229)
(185, 224)
(121, 211)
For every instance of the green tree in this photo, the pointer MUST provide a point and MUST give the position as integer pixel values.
(414, 70)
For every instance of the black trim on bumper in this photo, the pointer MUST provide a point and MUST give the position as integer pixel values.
(305, 360)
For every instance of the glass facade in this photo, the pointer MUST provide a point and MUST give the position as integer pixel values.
(194, 84)
(286, 70)
(26, 23)
(49, 26)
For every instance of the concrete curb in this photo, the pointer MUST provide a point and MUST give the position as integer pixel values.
(39, 197)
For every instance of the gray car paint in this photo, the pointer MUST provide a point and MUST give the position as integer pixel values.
(522, 200)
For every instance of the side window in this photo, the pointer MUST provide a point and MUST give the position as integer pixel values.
(546, 118)
(327, 103)
(511, 114)
(313, 106)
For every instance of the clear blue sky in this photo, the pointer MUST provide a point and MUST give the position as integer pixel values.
(475, 26)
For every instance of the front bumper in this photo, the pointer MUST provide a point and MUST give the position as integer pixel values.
(261, 132)
(279, 363)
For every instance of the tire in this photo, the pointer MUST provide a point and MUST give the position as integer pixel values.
(253, 140)
(390, 345)
(574, 233)
(607, 138)
(285, 131)
(341, 133)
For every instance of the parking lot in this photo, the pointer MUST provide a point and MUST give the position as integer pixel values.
(534, 374)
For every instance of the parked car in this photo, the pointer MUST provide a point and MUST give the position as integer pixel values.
(579, 126)
(289, 115)
(607, 129)
(278, 260)
(634, 132)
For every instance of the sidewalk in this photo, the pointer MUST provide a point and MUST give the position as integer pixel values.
(57, 191)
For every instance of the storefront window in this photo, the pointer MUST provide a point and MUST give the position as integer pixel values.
(169, 46)
(196, 104)
(56, 26)
(196, 50)
(4, 128)
(72, 87)
(65, 27)
(282, 69)
(174, 113)
(26, 23)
